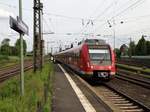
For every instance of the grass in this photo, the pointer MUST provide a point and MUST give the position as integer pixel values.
(11, 101)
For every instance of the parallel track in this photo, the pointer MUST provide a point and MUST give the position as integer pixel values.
(6, 75)
(10, 71)
(14, 65)
(134, 80)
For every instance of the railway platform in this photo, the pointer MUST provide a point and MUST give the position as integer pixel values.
(69, 97)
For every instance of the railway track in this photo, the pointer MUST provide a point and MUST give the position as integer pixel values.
(10, 71)
(123, 102)
(6, 74)
(14, 65)
(116, 100)
(134, 80)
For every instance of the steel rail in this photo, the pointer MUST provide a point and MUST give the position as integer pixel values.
(7, 75)
(144, 107)
(125, 77)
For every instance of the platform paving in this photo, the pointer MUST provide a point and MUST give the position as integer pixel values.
(64, 98)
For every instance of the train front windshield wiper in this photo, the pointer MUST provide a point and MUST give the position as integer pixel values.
(101, 60)
(104, 57)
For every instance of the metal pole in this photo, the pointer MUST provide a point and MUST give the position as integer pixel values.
(114, 34)
(48, 47)
(21, 54)
(42, 41)
(34, 37)
(40, 33)
(51, 50)
(130, 52)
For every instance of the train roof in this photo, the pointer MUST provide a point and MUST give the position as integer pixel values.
(95, 42)
(71, 49)
(88, 42)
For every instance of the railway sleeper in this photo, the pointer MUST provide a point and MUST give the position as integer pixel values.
(133, 110)
(118, 99)
(114, 97)
(129, 107)
(124, 104)
(121, 102)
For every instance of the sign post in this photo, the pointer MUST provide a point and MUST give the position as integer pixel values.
(21, 52)
(20, 27)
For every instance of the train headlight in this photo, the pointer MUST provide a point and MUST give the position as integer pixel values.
(92, 67)
(112, 73)
(109, 67)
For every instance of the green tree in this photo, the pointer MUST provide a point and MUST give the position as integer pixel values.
(132, 47)
(148, 47)
(5, 47)
(5, 41)
(17, 47)
(13, 51)
(5, 50)
(118, 53)
(141, 47)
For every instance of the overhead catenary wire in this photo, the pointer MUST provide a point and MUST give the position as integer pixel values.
(112, 12)
(96, 9)
(105, 10)
(46, 13)
(95, 19)
(126, 9)
(90, 20)
(76, 18)
(44, 20)
(121, 12)
(9, 5)
(126, 20)
(50, 20)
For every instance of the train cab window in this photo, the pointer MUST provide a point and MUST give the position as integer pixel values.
(100, 56)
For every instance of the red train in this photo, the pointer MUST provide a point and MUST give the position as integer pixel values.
(92, 58)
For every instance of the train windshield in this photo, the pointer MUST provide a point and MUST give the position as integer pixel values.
(100, 56)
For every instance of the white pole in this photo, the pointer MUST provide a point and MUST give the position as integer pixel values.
(21, 54)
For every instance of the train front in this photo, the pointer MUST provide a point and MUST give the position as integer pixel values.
(101, 61)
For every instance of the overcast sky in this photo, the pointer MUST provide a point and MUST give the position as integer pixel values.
(81, 18)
